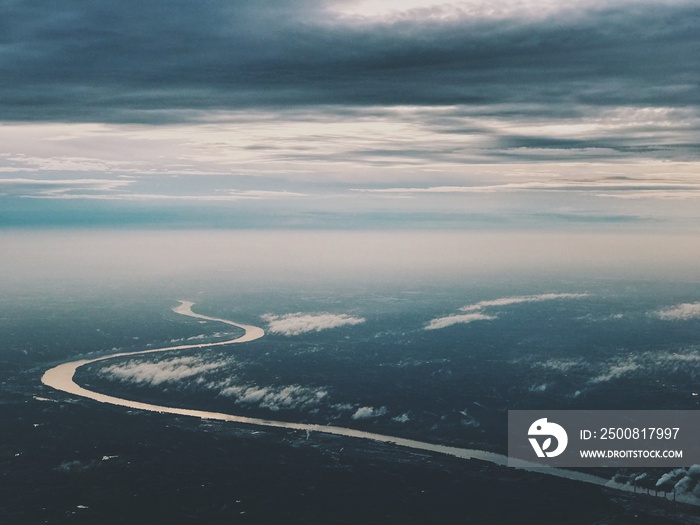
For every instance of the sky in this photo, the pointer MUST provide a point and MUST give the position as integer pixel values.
(350, 114)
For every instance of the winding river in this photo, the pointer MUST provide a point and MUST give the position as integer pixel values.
(61, 378)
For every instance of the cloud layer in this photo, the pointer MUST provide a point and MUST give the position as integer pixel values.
(159, 372)
(253, 114)
(680, 312)
(443, 322)
(507, 301)
(276, 398)
(222, 378)
(141, 61)
(300, 323)
(474, 311)
(206, 374)
(369, 412)
(622, 367)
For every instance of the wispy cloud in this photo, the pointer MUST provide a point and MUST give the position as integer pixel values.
(51, 163)
(299, 323)
(60, 188)
(276, 397)
(167, 370)
(131, 188)
(202, 337)
(507, 301)
(206, 374)
(681, 357)
(677, 194)
(617, 371)
(681, 361)
(615, 368)
(562, 365)
(629, 188)
(443, 322)
(230, 196)
(369, 412)
(474, 311)
(393, 11)
(554, 185)
(680, 312)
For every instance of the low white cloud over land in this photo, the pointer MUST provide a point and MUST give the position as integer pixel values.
(300, 323)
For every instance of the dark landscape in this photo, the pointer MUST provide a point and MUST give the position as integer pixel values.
(70, 460)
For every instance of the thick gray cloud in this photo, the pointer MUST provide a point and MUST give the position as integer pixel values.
(270, 113)
(142, 61)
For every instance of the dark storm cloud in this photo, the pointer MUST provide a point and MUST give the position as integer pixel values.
(140, 61)
(604, 147)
